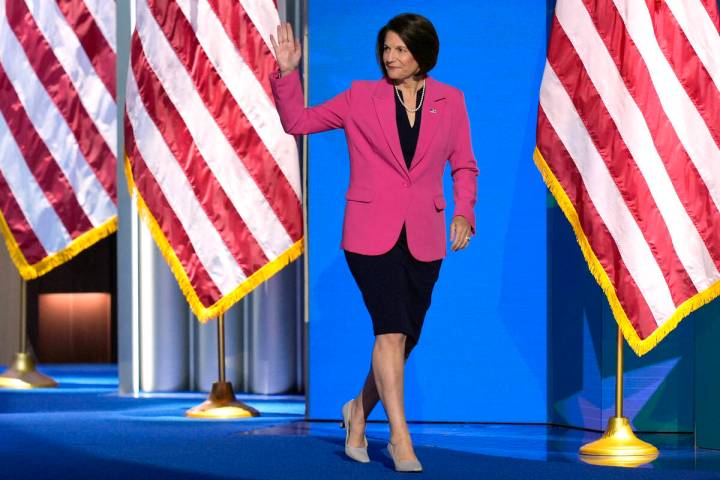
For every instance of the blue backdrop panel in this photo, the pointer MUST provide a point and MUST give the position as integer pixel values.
(482, 355)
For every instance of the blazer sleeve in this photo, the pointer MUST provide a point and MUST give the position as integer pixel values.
(463, 166)
(296, 119)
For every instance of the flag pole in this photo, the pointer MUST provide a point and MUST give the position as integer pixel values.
(618, 446)
(222, 404)
(306, 227)
(22, 374)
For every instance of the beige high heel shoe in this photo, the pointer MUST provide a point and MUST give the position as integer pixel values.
(405, 465)
(359, 454)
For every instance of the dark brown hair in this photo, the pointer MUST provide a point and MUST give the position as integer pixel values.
(418, 34)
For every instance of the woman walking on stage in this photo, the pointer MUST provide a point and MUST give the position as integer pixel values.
(401, 130)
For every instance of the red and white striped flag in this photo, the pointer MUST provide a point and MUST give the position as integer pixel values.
(628, 141)
(215, 176)
(57, 129)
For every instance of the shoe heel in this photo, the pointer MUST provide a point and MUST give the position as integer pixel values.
(359, 454)
(408, 466)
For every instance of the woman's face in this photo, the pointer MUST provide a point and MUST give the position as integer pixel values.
(399, 62)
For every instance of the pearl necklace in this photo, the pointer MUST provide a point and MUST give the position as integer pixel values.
(422, 97)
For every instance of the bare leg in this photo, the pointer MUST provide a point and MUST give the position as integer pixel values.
(389, 355)
(365, 402)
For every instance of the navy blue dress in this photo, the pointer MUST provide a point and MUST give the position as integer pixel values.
(396, 287)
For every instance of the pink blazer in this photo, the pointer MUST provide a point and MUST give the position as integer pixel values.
(383, 194)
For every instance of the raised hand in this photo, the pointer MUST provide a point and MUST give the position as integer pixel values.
(287, 48)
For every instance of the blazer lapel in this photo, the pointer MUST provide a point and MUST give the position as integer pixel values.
(432, 114)
(384, 103)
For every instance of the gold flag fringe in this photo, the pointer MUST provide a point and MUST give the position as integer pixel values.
(639, 345)
(86, 240)
(202, 312)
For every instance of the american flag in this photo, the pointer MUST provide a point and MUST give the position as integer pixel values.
(628, 141)
(215, 177)
(57, 129)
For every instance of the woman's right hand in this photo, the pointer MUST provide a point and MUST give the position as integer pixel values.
(287, 48)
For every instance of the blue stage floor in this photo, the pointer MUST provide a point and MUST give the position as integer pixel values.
(85, 430)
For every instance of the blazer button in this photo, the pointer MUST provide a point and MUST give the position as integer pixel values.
(406, 185)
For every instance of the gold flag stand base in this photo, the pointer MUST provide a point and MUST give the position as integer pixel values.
(23, 375)
(222, 404)
(618, 439)
(618, 447)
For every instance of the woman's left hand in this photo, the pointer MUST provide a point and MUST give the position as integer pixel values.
(460, 233)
